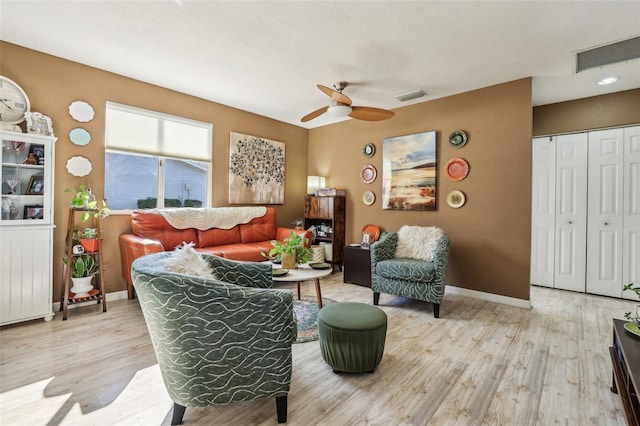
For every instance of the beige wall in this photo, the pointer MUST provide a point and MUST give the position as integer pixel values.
(616, 109)
(491, 233)
(53, 83)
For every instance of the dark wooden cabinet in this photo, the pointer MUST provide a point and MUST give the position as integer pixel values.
(625, 358)
(327, 216)
(357, 266)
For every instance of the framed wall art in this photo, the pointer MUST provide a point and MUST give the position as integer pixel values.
(409, 172)
(256, 170)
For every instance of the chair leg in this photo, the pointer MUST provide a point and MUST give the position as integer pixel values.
(376, 297)
(436, 310)
(178, 412)
(281, 408)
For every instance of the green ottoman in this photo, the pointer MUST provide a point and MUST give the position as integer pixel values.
(352, 336)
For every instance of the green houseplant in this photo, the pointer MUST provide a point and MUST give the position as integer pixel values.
(82, 270)
(84, 198)
(89, 239)
(629, 315)
(291, 250)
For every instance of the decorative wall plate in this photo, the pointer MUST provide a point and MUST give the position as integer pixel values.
(368, 173)
(456, 199)
(368, 150)
(458, 139)
(372, 230)
(79, 136)
(81, 111)
(368, 198)
(79, 166)
(456, 169)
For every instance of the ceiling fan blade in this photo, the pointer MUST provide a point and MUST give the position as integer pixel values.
(335, 95)
(370, 114)
(314, 114)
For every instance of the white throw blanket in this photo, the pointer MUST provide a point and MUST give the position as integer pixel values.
(207, 218)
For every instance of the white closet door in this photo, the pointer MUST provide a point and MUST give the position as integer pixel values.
(604, 243)
(631, 217)
(571, 209)
(543, 205)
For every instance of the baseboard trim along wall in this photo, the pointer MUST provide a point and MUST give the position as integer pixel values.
(116, 295)
(520, 303)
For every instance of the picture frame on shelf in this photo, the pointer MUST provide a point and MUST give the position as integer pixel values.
(38, 151)
(38, 124)
(36, 186)
(35, 211)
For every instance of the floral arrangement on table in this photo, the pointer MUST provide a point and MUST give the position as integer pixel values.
(291, 250)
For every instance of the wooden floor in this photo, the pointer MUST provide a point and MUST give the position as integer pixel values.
(480, 363)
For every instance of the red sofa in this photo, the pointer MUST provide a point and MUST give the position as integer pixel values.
(152, 233)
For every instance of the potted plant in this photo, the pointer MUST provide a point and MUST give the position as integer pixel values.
(84, 198)
(629, 315)
(89, 239)
(291, 250)
(82, 270)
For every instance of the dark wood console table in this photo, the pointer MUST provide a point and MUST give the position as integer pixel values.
(625, 356)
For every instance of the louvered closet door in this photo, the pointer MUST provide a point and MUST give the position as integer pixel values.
(605, 212)
(631, 218)
(571, 209)
(543, 208)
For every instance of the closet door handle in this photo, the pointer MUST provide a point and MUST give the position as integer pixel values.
(570, 222)
(606, 223)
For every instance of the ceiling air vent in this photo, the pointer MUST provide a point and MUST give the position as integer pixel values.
(609, 54)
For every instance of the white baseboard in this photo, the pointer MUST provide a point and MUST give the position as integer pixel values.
(116, 295)
(520, 303)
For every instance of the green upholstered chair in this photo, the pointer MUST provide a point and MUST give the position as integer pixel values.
(218, 340)
(413, 278)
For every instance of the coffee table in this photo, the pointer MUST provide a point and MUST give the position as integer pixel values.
(303, 273)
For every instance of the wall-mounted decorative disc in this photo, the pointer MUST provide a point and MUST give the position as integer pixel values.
(368, 173)
(368, 150)
(458, 139)
(456, 169)
(79, 166)
(81, 111)
(368, 198)
(80, 136)
(456, 199)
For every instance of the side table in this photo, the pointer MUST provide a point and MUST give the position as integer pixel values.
(625, 357)
(357, 266)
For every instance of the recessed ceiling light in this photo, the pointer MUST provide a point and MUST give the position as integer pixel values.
(608, 80)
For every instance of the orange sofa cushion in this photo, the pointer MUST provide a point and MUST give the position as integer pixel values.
(152, 225)
(260, 228)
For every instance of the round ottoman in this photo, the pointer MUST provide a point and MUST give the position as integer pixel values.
(352, 336)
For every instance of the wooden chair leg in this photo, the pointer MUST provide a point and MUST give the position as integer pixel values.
(436, 310)
(281, 408)
(376, 297)
(178, 413)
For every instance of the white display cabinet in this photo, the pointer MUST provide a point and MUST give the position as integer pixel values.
(26, 227)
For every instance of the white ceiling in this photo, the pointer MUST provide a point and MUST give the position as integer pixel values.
(267, 56)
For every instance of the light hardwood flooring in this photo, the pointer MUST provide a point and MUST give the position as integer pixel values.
(481, 363)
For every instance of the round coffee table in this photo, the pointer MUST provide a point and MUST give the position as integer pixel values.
(302, 273)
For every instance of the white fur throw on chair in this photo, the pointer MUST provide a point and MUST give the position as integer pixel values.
(418, 242)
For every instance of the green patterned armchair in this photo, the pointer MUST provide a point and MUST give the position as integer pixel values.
(407, 277)
(218, 340)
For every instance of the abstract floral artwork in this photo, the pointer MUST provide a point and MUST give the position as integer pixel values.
(409, 172)
(256, 170)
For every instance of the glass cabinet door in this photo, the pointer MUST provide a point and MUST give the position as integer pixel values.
(26, 178)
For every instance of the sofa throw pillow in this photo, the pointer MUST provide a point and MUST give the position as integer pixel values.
(418, 242)
(185, 260)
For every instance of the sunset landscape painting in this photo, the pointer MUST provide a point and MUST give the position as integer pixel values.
(409, 172)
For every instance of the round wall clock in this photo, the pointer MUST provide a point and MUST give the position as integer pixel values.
(14, 102)
(368, 150)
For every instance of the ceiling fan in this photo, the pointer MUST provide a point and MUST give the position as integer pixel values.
(340, 106)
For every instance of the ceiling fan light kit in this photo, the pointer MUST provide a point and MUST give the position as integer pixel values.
(340, 106)
(339, 110)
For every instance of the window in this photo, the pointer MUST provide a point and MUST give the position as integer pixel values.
(155, 160)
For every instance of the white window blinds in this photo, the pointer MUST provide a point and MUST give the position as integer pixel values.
(142, 131)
